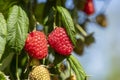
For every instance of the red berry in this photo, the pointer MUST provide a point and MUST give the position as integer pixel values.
(89, 7)
(36, 45)
(59, 40)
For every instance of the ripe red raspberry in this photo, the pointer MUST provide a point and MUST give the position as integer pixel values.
(36, 45)
(89, 7)
(59, 40)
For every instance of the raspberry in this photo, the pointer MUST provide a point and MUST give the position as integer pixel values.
(36, 45)
(89, 7)
(39, 73)
(59, 40)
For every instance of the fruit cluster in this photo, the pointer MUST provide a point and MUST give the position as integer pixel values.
(36, 46)
(36, 43)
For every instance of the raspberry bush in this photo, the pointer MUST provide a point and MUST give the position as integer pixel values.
(38, 40)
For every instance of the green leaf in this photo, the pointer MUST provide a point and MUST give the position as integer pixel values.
(67, 23)
(6, 61)
(3, 33)
(17, 24)
(74, 69)
(78, 66)
(2, 76)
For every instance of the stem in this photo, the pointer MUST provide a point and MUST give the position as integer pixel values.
(69, 67)
(81, 30)
(44, 61)
(47, 61)
(35, 62)
(27, 66)
(54, 23)
(33, 16)
(17, 74)
(52, 74)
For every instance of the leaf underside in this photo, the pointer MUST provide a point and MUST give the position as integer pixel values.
(17, 24)
(3, 33)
